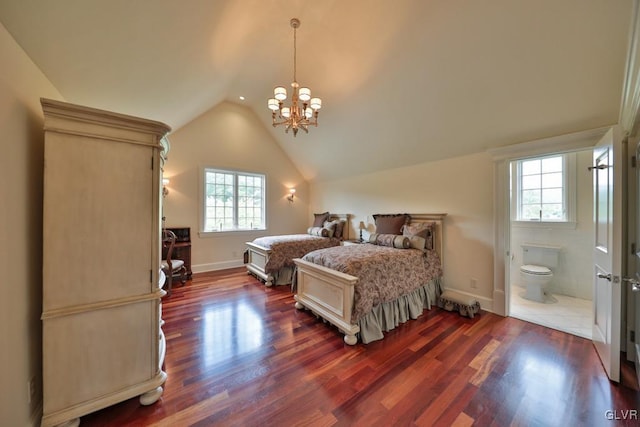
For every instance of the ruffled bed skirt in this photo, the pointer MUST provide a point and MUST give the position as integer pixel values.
(284, 276)
(388, 315)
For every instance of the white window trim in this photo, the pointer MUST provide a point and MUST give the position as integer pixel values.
(570, 194)
(202, 207)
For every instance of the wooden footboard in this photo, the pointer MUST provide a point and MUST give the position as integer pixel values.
(258, 258)
(328, 294)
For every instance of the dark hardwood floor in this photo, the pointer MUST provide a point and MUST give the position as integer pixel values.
(240, 354)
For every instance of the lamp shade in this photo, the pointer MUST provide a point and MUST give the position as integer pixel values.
(280, 93)
(286, 112)
(304, 94)
(316, 103)
(273, 104)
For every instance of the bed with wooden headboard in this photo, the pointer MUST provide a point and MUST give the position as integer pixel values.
(270, 258)
(367, 289)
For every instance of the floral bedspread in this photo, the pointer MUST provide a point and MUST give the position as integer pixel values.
(384, 273)
(287, 247)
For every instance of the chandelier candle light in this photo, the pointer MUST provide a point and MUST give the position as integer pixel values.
(303, 111)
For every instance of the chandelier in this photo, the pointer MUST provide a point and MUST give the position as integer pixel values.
(302, 112)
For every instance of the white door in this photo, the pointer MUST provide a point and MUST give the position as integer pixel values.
(607, 182)
(632, 285)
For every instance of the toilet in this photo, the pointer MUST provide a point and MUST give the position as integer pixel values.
(536, 271)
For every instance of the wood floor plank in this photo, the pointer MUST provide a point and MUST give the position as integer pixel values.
(462, 420)
(240, 354)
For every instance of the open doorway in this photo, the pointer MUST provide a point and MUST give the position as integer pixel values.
(551, 230)
(607, 137)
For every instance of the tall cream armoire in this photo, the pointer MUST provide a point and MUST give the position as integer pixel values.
(101, 314)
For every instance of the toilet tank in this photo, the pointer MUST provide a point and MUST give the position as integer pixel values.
(540, 254)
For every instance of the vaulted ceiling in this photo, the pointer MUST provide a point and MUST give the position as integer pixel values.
(402, 82)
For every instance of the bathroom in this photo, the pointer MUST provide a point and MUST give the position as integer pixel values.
(552, 207)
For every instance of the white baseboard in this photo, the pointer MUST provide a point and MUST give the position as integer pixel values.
(214, 266)
(485, 303)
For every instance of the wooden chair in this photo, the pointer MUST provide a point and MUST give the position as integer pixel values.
(171, 266)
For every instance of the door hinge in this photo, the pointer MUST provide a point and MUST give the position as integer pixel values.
(632, 336)
(633, 249)
(152, 163)
(633, 161)
(151, 276)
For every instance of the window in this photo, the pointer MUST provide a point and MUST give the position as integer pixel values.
(233, 201)
(543, 189)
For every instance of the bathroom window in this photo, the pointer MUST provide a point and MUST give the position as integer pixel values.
(543, 189)
(233, 201)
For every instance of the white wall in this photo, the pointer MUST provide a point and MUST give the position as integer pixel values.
(573, 276)
(461, 187)
(22, 146)
(230, 136)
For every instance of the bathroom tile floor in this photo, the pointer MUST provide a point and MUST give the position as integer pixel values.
(567, 314)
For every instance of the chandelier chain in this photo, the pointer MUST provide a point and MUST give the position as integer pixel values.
(294, 53)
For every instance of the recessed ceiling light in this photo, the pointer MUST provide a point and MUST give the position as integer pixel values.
(241, 98)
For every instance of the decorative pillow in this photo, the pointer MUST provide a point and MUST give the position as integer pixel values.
(417, 242)
(318, 231)
(320, 218)
(391, 223)
(340, 229)
(332, 226)
(392, 240)
(420, 234)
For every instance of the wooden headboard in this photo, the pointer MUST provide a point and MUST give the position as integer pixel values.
(438, 219)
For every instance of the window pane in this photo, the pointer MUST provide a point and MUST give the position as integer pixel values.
(540, 189)
(230, 198)
(530, 167)
(552, 212)
(552, 164)
(531, 182)
(552, 180)
(531, 196)
(552, 196)
(530, 212)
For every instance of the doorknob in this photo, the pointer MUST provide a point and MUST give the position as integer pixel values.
(635, 284)
(604, 276)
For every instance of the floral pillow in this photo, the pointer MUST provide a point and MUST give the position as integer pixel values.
(420, 234)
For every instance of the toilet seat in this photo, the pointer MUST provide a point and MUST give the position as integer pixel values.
(537, 270)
